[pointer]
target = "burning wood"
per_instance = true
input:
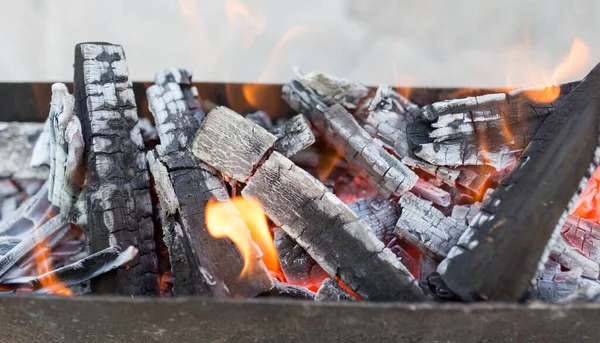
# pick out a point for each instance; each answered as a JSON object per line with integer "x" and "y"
{"x": 292, "y": 136}
{"x": 554, "y": 285}
{"x": 571, "y": 258}
{"x": 515, "y": 225}
{"x": 426, "y": 227}
{"x": 201, "y": 263}
{"x": 345, "y": 248}
{"x": 297, "y": 265}
{"x": 115, "y": 206}
{"x": 331, "y": 290}
{"x": 281, "y": 289}
{"x": 487, "y": 129}
{"x": 584, "y": 235}
{"x": 379, "y": 214}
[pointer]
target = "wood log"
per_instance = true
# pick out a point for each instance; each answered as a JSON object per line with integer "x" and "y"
{"x": 498, "y": 255}
{"x": 426, "y": 227}
{"x": 18, "y": 140}
{"x": 66, "y": 151}
{"x": 479, "y": 130}
{"x": 115, "y": 207}
{"x": 297, "y": 265}
{"x": 331, "y": 290}
{"x": 340, "y": 130}
{"x": 380, "y": 214}
{"x": 320, "y": 223}
{"x": 201, "y": 264}
{"x": 293, "y": 136}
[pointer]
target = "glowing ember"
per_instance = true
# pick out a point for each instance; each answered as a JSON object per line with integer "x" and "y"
{"x": 588, "y": 204}
{"x": 223, "y": 221}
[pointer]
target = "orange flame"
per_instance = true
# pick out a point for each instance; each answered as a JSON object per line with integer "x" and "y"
{"x": 50, "y": 282}
{"x": 243, "y": 221}
{"x": 574, "y": 63}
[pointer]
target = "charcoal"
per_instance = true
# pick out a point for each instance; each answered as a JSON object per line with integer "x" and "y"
{"x": 293, "y": 136}
{"x": 331, "y": 290}
{"x": 17, "y": 142}
{"x": 554, "y": 285}
{"x": 285, "y": 290}
{"x": 584, "y": 235}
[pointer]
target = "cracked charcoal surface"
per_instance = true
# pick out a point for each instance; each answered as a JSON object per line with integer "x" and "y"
{"x": 115, "y": 208}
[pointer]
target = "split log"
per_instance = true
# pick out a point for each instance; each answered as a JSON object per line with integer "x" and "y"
{"x": 340, "y": 130}
{"x": 583, "y": 235}
{"x": 201, "y": 264}
{"x": 426, "y": 227}
{"x": 293, "y": 136}
{"x": 498, "y": 255}
{"x": 554, "y": 285}
{"x": 479, "y": 130}
{"x": 66, "y": 151}
{"x": 115, "y": 208}
{"x": 320, "y": 223}
{"x": 331, "y": 290}
{"x": 18, "y": 140}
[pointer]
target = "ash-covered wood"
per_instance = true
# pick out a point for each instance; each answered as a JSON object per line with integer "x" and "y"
{"x": 571, "y": 258}
{"x": 115, "y": 207}
{"x": 448, "y": 175}
{"x": 498, "y": 255}
{"x": 479, "y": 130}
{"x": 17, "y": 142}
{"x": 589, "y": 291}
{"x": 331, "y": 290}
{"x": 554, "y": 285}
{"x": 340, "y": 130}
{"x": 201, "y": 264}
{"x": 332, "y": 90}
{"x": 320, "y": 223}
{"x": 40, "y": 155}
{"x": 426, "y": 227}
{"x": 285, "y": 290}
{"x": 293, "y": 136}
{"x": 231, "y": 143}
{"x": 66, "y": 151}
{"x": 432, "y": 193}
{"x": 379, "y": 213}
{"x": 584, "y": 235}
{"x": 329, "y": 231}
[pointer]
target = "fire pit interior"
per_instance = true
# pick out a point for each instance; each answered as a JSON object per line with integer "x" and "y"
{"x": 321, "y": 189}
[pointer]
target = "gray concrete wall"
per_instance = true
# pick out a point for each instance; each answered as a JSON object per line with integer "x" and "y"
{"x": 417, "y": 42}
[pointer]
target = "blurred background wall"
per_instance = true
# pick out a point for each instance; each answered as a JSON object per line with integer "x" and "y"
{"x": 406, "y": 42}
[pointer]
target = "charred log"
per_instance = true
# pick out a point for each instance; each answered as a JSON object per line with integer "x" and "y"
{"x": 498, "y": 255}
{"x": 115, "y": 208}
{"x": 331, "y": 290}
{"x": 329, "y": 231}
{"x": 285, "y": 290}
{"x": 583, "y": 235}
{"x": 554, "y": 285}
{"x": 201, "y": 264}
{"x": 293, "y": 136}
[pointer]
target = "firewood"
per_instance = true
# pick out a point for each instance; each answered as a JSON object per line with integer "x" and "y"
{"x": 115, "y": 207}
{"x": 498, "y": 255}
{"x": 201, "y": 264}
{"x": 297, "y": 265}
{"x": 332, "y": 90}
{"x": 479, "y": 130}
{"x": 260, "y": 118}
{"x": 340, "y": 130}
{"x": 320, "y": 223}
{"x": 331, "y": 290}
{"x": 448, "y": 175}
{"x": 285, "y": 290}
{"x": 293, "y": 136}
{"x": 31, "y": 213}
{"x": 17, "y": 142}
{"x": 66, "y": 150}
{"x": 426, "y": 227}
{"x": 379, "y": 213}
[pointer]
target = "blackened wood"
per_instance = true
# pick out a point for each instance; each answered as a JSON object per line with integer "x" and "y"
{"x": 232, "y": 144}
{"x": 379, "y": 213}
{"x": 201, "y": 264}
{"x": 282, "y": 289}
{"x": 479, "y": 130}
{"x": 115, "y": 208}
{"x": 296, "y": 264}
{"x": 498, "y": 255}
{"x": 329, "y": 231}
{"x": 331, "y": 290}
{"x": 293, "y": 136}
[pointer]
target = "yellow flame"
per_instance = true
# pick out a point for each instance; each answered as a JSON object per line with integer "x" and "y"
{"x": 42, "y": 265}
{"x": 243, "y": 221}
